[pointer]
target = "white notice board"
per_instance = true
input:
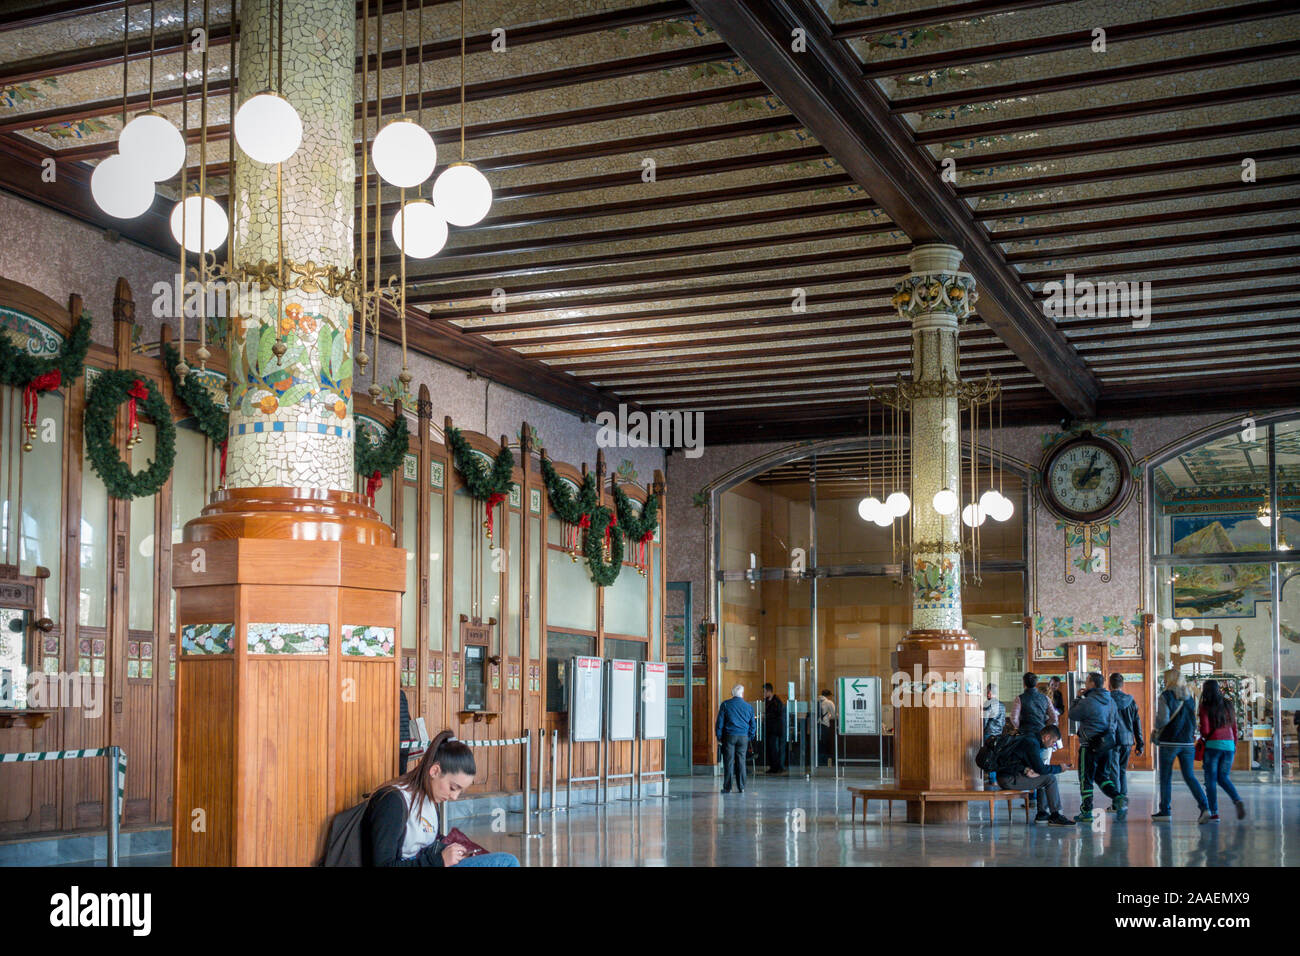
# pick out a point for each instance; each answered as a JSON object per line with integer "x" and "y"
{"x": 621, "y": 700}
{"x": 859, "y": 705}
{"x": 654, "y": 700}
{"x": 585, "y": 698}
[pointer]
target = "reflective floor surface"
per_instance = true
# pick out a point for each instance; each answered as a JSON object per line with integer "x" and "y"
{"x": 791, "y": 821}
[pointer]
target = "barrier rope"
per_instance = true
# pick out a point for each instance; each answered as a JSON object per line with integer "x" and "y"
{"x": 34, "y": 756}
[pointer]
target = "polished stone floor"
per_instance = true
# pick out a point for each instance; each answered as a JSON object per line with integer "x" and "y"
{"x": 792, "y": 821}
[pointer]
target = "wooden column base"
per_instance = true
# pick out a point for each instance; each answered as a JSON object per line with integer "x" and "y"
{"x": 940, "y": 717}
{"x": 286, "y": 706}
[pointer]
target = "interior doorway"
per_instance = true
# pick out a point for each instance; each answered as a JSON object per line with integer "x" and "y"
{"x": 679, "y": 653}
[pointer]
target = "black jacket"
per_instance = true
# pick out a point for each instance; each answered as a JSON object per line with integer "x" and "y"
{"x": 1129, "y": 729}
{"x": 774, "y": 714}
{"x": 1096, "y": 713}
{"x": 1033, "y": 712}
{"x": 383, "y": 830}
{"x": 1023, "y": 754}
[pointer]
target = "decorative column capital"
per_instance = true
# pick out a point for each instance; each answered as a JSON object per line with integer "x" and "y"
{"x": 935, "y": 288}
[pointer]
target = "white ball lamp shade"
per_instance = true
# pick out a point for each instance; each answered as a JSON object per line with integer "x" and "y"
{"x": 972, "y": 516}
{"x": 988, "y": 501}
{"x": 882, "y": 517}
{"x": 204, "y": 222}
{"x": 153, "y": 145}
{"x": 1003, "y": 509}
{"x": 463, "y": 194}
{"x": 898, "y": 504}
{"x": 404, "y": 153}
{"x": 868, "y": 508}
{"x": 120, "y": 188}
{"x": 1185, "y": 624}
{"x": 945, "y": 501}
{"x": 1217, "y": 648}
{"x": 1169, "y": 624}
{"x": 425, "y": 229}
{"x": 268, "y": 128}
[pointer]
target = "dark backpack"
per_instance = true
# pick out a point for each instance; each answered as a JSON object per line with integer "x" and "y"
{"x": 994, "y": 753}
{"x": 343, "y": 848}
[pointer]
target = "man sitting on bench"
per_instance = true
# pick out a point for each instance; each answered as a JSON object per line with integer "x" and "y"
{"x": 1021, "y": 767}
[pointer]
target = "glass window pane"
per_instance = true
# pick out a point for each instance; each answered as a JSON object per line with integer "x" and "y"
{"x": 189, "y": 492}
{"x": 43, "y": 500}
{"x": 469, "y": 534}
{"x": 535, "y": 587}
{"x": 460, "y": 566}
{"x": 570, "y": 593}
{"x": 140, "y": 609}
{"x": 657, "y": 617}
{"x": 410, "y": 527}
{"x": 1210, "y": 500}
{"x": 92, "y": 601}
{"x": 560, "y": 648}
{"x": 623, "y": 650}
{"x": 625, "y": 603}
{"x": 436, "y": 567}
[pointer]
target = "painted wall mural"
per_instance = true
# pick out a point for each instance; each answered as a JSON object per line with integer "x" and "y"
{"x": 1225, "y": 590}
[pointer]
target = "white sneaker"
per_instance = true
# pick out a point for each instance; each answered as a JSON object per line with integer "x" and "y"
{"x": 1204, "y": 817}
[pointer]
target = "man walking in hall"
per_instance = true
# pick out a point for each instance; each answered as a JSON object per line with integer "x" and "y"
{"x": 774, "y": 730}
{"x": 1030, "y": 715}
{"x": 736, "y": 728}
{"x": 1095, "y": 712}
{"x": 1128, "y": 733}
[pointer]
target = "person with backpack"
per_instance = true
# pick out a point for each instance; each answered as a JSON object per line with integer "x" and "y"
{"x": 1019, "y": 765}
{"x": 1174, "y": 736}
{"x": 1128, "y": 735}
{"x": 1032, "y": 711}
{"x": 1218, "y": 725}
{"x": 1094, "y": 710}
{"x": 402, "y": 825}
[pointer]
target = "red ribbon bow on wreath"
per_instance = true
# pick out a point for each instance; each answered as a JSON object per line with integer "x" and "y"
{"x": 41, "y": 383}
{"x": 641, "y": 543}
{"x": 373, "y": 484}
{"x": 613, "y": 521}
{"x": 494, "y": 499}
{"x": 137, "y": 392}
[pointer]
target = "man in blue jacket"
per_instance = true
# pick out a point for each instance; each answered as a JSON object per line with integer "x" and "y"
{"x": 1098, "y": 719}
{"x": 1021, "y": 767}
{"x": 1128, "y": 733}
{"x": 736, "y": 728}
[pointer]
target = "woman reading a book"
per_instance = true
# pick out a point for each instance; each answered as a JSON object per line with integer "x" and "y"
{"x": 402, "y": 825}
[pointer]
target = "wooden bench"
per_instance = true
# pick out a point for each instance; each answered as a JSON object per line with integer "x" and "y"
{"x": 867, "y": 794}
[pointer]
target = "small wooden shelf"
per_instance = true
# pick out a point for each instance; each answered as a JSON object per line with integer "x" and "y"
{"x": 32, "y": 719}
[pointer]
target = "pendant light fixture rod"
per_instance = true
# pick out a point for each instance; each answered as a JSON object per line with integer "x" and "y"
{"x": 126, "y": 51}
{"x": 185, "y": 138}
{"x": 151, "y": 47}
{"x": 379, "y": 186}
{"x": 203, "y": 194}
{"x": 231, "y": 145}
{"x": 365, "y": 167}
{"x": 462, "y": 80}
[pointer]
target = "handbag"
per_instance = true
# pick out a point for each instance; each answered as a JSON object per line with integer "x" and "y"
{"x": 456, "y": 838}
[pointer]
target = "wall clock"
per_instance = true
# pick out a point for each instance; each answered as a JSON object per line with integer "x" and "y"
{"x": 1086, "y": 478}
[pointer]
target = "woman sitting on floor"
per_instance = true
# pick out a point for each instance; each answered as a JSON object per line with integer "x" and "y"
{"x": 402, "y": 826}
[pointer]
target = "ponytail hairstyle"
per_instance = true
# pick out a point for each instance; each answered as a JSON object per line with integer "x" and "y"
{"x": 451, "y": 755}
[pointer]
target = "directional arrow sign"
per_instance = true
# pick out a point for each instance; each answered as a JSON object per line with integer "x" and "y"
{"x": 859, "y": 705}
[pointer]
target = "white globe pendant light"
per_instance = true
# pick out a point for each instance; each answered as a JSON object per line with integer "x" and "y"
{"x": 153, "y": 145}
{"x": 882, "y": 517}
{"x": 868, "y": 509}
{"x": 1003, "y": 509}
{"x": 463, "y": 194}
{"x": 204, "y": 222}
{"x": 404, "y": 153}
{"x": 898, "y": 504}
{"x": 945, "y": 501}
{"x": 425, "y": 229}
{"x": 972, "y": 516}
{"x": 120, "y": 188}
{"x": 268, "y": 128}
{"x": 988, "y": 501}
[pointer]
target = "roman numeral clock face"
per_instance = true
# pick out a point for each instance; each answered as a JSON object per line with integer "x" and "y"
{"x": 1084, "y": 480}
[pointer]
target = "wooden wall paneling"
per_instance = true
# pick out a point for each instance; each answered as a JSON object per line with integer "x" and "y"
{"x": 446, "y": 692}
{"x": 418, "y": 695}
{"x": 364, "y": 700}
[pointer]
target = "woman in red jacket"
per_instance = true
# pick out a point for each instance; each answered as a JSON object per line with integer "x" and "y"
{"x": 1219, "y": 730}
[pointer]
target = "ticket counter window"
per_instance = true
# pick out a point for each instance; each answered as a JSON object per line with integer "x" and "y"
{"x": 560, "y": 648}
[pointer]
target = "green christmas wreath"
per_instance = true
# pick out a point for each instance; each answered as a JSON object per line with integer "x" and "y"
{"x": 638, "y": 527}
{"x": 569, "y": 506}
{"x": 385, "y": 457}
{"x": 109, "y": 391}
{"x": 19, "y": 368}
{"x": 482, "y": 483}
{"x": 214, "y": 421}
{"x": 603, "y": 523}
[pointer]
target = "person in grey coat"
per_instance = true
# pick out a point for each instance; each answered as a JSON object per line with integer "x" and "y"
{"x": 1095, "y": 712}
{"x": 1128, "y": 734}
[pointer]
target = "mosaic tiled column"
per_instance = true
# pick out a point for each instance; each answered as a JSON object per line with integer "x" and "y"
{"x": 289, "y": 584}
{"x": 291, "y": 413}
{"x": 939, "y": 726}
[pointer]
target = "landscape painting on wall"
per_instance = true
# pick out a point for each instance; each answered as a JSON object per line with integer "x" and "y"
{"x": 1219, "y": 590}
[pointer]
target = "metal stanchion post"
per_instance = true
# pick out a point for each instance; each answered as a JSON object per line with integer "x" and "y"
{"x": 528, "y": 784}
{"x": 541, "y": 769}
{"x": 555, "y": 765}
{"x": 111, "y": 802}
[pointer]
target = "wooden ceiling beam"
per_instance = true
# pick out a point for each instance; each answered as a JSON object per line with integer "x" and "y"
{"x": 1091, "y": 79}
{"x": 1137, "y": 198}
{"x": 1202, "y": 214}
{"x": 1152, "y": 242}
{"x": 1228, "y": 16}
{"x": 1148, "y": 266}
{"x": 849, "y": 116}
{"x": 886, "y": 23}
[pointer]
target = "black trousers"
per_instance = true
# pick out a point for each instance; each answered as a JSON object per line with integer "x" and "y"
{"x": 734, "y": 747}
{"x": 775, "y": 753}
{"x": 1120, "y": 757}
{"x": 1096, "y": 767}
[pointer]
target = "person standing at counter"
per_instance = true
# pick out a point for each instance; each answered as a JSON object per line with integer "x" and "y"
{"x": 774, "y": 729}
